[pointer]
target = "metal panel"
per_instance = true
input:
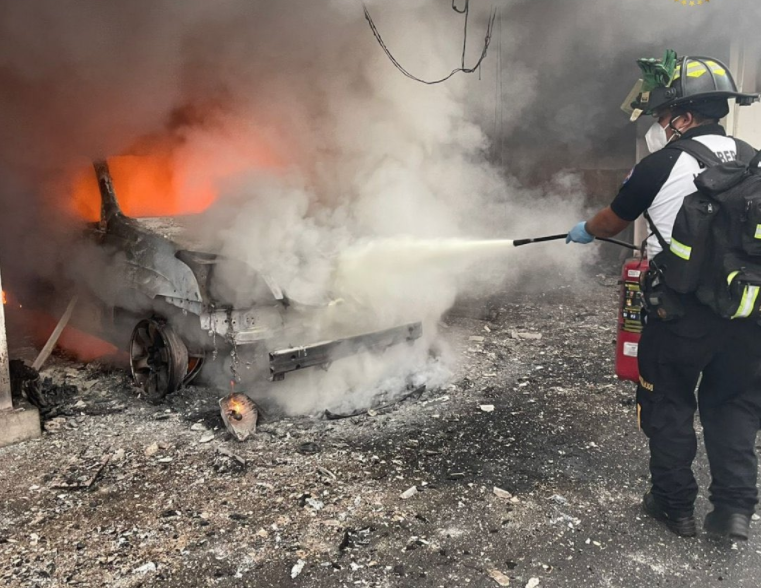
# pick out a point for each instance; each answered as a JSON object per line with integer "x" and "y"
{"x": 324, "y": 353}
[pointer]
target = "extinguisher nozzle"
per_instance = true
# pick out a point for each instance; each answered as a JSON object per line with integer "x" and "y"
{"x": 519, "y": 242}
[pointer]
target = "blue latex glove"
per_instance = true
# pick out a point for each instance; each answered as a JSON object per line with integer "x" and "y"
{"x": 578, "y": 234}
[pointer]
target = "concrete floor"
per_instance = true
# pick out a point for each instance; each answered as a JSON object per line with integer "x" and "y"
{"x": 562, "y": 440}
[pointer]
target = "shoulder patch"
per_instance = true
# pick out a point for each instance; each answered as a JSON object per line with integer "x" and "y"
{"x": 629, "y": 177}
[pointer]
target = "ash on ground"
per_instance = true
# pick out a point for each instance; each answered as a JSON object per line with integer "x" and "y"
{"x": 527, "y": 469}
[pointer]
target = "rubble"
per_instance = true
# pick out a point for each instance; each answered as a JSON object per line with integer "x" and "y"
{"x": 518, "y": 495}
{"x": 500, "y": 578}
{"x": 308, "y": 448}
{"x": 145, "y": 568}
{"x": 51, "y": 398}
{"x": 500, "y": 493}
{"x": 526, "y": 336}
{"x": 297, "y": 569}
{"x": 412, "y": 392}
{"x": 80, "y": 473}
{"x": 409, "y": 493}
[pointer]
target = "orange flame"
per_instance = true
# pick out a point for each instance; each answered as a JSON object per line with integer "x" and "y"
{"x": 235, "y": 406}
{"x": 83, "y": 346}
{"x": 38, "y": 325}
{"x": 167, "y": 181}
{"x": 145, "y": 186}
{"x": 10, "y": 300}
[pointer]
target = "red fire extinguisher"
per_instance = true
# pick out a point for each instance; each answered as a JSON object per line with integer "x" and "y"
{"x": 629, "y": 319}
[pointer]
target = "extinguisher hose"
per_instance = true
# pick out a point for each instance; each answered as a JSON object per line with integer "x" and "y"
{"x": 519, "y": 242}
{"x": 619, "y": 243}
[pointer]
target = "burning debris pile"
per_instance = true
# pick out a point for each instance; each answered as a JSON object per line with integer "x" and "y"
{"x": 239, "y": 414}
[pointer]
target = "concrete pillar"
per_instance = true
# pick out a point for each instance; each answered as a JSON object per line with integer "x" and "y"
{"x": 23, "y": 422}
{"x": 737, "y": 67}
{"x": 5, "y": 378}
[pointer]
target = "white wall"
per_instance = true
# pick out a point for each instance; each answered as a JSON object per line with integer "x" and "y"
{"x": 744, "y": 122}
{"x": 749, "y": 125}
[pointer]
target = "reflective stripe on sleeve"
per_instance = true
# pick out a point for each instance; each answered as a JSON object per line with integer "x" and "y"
{"x": 758, "y": 231}
{"x": 680, "y": 249}
{"x": 748, "y": 302}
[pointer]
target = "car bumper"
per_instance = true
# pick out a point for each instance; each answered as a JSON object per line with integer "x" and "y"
{"x": 324, "y": 353}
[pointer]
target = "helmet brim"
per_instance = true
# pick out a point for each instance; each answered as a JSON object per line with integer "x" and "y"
{"x": 742, "y": 99}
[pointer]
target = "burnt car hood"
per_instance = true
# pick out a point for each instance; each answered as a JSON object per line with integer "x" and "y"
{"x": 182, "y": 231}
{"x": 167, "y": 256}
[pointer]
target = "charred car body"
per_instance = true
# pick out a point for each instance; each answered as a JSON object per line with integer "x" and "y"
{"x": 180, "y": 314}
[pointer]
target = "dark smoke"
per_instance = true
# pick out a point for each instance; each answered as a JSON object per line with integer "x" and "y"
{"x": 567, "y": 66}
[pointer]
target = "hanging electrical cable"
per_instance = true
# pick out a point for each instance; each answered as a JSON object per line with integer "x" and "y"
{"x": 465, "y": 10}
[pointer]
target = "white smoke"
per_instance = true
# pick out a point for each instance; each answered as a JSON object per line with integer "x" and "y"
{"x": 363, "y": 154}
{"x": 368, "y": 162}
{"x": 382, "y": 176}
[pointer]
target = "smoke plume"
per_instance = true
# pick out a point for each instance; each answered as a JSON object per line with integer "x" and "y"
{"x": 318, "y": 163}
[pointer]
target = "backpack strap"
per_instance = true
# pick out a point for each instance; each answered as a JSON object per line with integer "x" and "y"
{"x": 746, "y": 152}
{"x": 656, "y": 232}
{"x": 755, "y": 163}
{"x": 699, "y": 151}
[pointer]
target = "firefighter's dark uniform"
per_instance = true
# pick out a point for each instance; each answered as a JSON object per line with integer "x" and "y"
{"x": 674, "y": 354}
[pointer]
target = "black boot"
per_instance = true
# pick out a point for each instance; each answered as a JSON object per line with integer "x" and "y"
{"x": 734, "y": 525}
{"x": 684, "y": 526}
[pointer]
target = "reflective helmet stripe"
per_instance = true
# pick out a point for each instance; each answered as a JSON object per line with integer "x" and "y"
{"x": 695, "y": 69}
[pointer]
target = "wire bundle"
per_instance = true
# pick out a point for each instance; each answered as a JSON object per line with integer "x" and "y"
{"x": 466, "y": 11}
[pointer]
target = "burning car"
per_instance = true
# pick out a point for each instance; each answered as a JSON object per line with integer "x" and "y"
{"x": 170, "y": 297}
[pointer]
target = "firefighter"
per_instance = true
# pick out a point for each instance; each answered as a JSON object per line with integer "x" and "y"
{"x": 722, "y": 358}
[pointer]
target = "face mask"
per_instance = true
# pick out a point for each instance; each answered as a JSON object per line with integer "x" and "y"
{"x": 656, "y": 137}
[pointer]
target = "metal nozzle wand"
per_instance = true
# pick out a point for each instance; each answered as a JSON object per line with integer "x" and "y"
{"x": 519, "y": 242}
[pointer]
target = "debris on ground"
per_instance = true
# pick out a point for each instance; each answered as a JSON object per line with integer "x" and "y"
{"x": 413, "y": 392}
{"x": 25, "y": 384}
{"x": 80, "y": 473}
{"x": 428, "y": 492}
{"x": 408, "y": 493}
{"x": 297, "y": 569}
{"x": 500, "y": 578}
{"x": 500, "y": 493}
